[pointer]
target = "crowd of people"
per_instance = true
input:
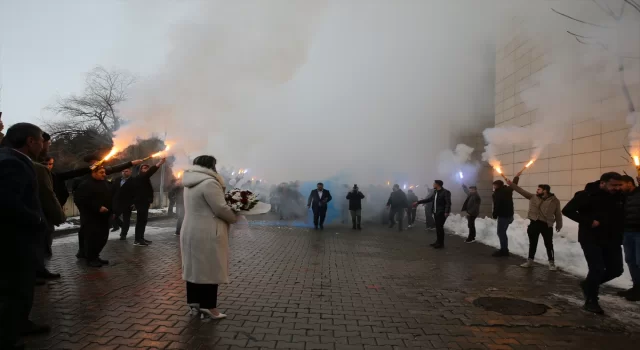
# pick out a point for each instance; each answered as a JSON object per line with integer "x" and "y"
{"x": 32, "y": 195}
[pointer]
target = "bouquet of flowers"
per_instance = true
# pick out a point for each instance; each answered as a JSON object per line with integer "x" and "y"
{"x": 245, "y": 202}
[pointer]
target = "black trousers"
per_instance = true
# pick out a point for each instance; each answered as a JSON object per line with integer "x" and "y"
{"x": 440, "y": 219}
{"x": 81, "y": 239}
{"x": 396, "y": 213}
{"x": 411, "y": 215}
{"x": 96, "y": 235}
{"x": 204, "y": 294}
{"x": 172, "y": 203}
{"x": 471, "y": 224}
{"x": 535, "y": 229}
{"x": 319, "y": 214}
{"x": 605, "y": 264}
{"x": 141, "y": 220}
{"x": 17, "y": 282}
{"x": 123, "y": 223}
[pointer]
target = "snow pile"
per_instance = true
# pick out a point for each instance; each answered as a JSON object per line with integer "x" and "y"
{"x": 66, "y": 226}
{"x": 568, "y": 253}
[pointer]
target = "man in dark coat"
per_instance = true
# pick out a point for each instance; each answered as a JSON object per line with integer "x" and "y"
{"x": 317, "y": 201}
{"x": 503, "y": 212}
{"x": 121, "y": 205}
{"x": 599, "y": 212}
{"x": 94, "y": 201}
{"x": 428, "y": 211}
{"x": 631, "y": 242}
{"x": 140, "y": 194}
{"x": 441, "y": 199}
{"x": 472, "y": 207}
{"x": 85, "y": 174}
{"x": 397, "y": 204}
{"x": 22, "y": 223}
{"x": 355, "y": 198}
{"x": 411, "y": 211}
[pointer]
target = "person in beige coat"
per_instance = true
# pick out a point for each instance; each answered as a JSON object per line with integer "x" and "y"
{"x": 544, "y": 211}
{"x": 204, "y": 239}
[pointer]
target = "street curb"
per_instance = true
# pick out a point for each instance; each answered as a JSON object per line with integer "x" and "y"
{"x": 68, "y": 231}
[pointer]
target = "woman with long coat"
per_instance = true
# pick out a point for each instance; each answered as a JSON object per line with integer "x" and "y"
{"x": 204, "y": 239}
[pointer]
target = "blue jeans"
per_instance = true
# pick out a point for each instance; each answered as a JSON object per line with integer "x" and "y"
{"x": 503, "y": 225}
{"x": 632, "y": 255}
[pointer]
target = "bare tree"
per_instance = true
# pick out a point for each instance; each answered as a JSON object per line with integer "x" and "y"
{"x": 617, "y": 16}
{"x": 96, "y": 108}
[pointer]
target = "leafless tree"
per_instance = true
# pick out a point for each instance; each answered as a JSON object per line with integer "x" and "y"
{"x": 96, "y": 108}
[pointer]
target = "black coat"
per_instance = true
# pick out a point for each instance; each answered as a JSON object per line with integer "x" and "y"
{"x": 140, "y": 193}
{"x": 632, "y": 211}
{"x": 21, "y": 215}
{"x": 119, "y": 194}
{"x": 398, "y": 200}
{"x": 595, "y": 204}
{"x": 472, "y": 203}
{"x": 442, "y": 201}
{"x": 91, "y": 196}
{"x": 314, "y": 200}
{"x": 86, "y": 174}
{"x": 503, "y": 201}
{"x": 355, "y": 200}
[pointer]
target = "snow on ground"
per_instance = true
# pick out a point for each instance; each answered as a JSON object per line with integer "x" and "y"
{"x": 113, "y": 236}
{"x": 568, "y": 253}
{"x": 67, "y": 225}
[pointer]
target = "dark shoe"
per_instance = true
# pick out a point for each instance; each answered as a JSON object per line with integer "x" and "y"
{"x": 80, "y": 255}
{"x": 47, "y": 275}
{"x": 103, "y": 261}
{"x": 391, "y": 225}
{"x": 470, "y": 240}
{"x": 434, "y": 244}
{"x": 354, "y": 227}
{"x": 94, "y": 263}
{"x": 593, "y": 306}
{"x": 123, "y": 238}
{"x": 115, "y": 229}
{"x": 321, "y": 227}
{"x": 140, "y": 244}
{"x": 634, "y": 294}
{"x": 315, "y": 227}
{"x": 147, "y": 241}
{"x": 31, "y": 328}
{"x": 359, "y": 227}
{"x": 438, "y": 246}
{"x": 500, "y": 253}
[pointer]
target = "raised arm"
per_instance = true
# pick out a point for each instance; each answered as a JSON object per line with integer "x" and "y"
{"x": 72, "y": 174}
{"x": 520, "y": 190}
{"x": 117, "y": 168}
{"x": 465, "y": 189}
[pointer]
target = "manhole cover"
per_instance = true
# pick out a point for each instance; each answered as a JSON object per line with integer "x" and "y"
{"x": 509, "y": 306}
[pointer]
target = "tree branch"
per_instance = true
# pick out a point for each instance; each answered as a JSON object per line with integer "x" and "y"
{"x": 578, "y": 20}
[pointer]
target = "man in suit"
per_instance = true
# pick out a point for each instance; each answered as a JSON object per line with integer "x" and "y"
{"x": 317, "y": 201}
{"x": 120, "y": 204}
{"x": 141, "y": 196}
{"x": 441, "y": 199}
{"x": 22, "y": 223}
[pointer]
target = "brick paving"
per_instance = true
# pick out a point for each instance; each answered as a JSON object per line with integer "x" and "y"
{"x": 294, "y": 288}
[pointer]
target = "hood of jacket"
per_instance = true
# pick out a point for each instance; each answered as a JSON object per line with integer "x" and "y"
{"x": 592, "y": 186}
{"x": 196, "y": 174}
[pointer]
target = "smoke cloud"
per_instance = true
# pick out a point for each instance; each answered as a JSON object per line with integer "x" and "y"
{"x": 583, "y": 68}
{"x": 314, "y": 90}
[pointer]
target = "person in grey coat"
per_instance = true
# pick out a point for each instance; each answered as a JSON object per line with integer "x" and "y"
{"x": 472, "y": 207}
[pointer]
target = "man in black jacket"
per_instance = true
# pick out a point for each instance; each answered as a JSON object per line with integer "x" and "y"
{"x": 631, "y": 242}
{"x": 397, "y": 204}
{"x": 472, "y": 207}
{"x": 441, "y": 199}
{"x": 178, "y": 193}
{"x": 599, "y": 212}
{"x": 411, "y": 211}
{"x": 503, "y": 212}
{"x": 317, "y": 201}
{"x": 355, "y": 198}
{"x": 94, "y": 201}
{"x": 23, "y": 222}
{"x": 83, "y": 174}
{"x": 121, "y": 205}
{"x": 141, "y": 196}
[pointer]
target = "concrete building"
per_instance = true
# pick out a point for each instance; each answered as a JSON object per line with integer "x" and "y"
{"x": 595, "y": 138}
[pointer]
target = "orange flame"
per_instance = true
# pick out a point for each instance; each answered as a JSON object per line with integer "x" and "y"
{"x": 636, "y": 160}
{"x": 179, "y": 174}
{"x": 529, "y": 164}
{"x": 498, "y": 170}
{"x": 158, "y": 154}
{"x": 111, "y": 154}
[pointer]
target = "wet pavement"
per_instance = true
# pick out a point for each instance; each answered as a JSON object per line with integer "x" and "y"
{"x": 295, "y": 288}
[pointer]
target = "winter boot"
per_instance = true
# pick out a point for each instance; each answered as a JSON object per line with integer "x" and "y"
{"x": 634, "y": 294}
{"x": 527, "y": 264}
{"x": 552, "y": 266}
{"x": 593, "y": 306}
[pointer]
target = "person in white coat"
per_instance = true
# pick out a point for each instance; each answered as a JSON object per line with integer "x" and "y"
{"x": 204, "y": 239}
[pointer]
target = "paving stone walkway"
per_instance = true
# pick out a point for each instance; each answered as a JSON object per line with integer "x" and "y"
{"x": 295, "y": 288}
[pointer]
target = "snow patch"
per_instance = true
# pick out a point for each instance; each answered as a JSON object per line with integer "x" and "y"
{"x": 150, "y": 231}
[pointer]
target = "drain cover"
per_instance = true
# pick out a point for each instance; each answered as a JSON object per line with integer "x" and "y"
{"x": 509, "y": 306}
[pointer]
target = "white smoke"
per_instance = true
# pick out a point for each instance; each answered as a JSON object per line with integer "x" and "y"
{"x": 456, "y": 165}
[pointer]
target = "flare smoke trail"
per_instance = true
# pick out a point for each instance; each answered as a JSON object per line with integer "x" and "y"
{"x": 310, "y": 89}
{"x": 452, "y": 163}
{"x": 583, "y": 68}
